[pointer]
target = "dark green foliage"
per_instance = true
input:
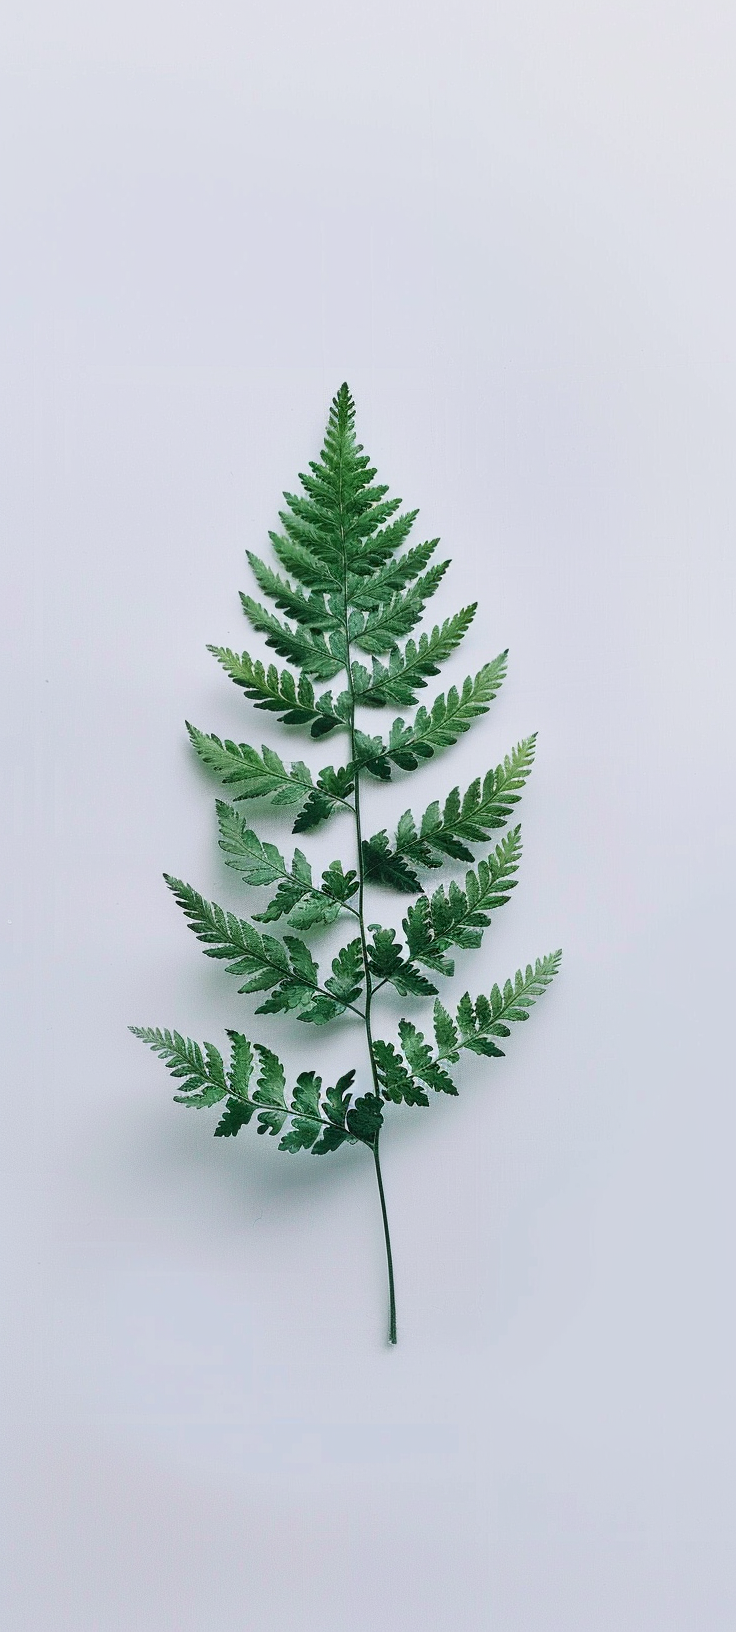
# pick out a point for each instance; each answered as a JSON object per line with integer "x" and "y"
{"x": 285, "y": 968}
{"x": 379, "y": 630}
{"x": 450, "y": 831}
{"x": 279, "y": 693}
{"x": 296, "y": 896}
{"x": 456, "y": 917}
{"x": 382, "y": 865}
{"x": 387, "y": 964}
{"x": 345, "y": 584}
{"x": 404, "y": 675}
{"x": 395, "y": 1077}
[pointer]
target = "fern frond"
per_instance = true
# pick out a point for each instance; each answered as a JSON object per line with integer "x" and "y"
{"x": 456, "y": 917}
{"x": 285, "y": 968}
{"x": 433, "y": 729}
{"x": 387, "y": 963}
{"x": 279, "y": 693}
{"x": 386, "y": 624}
{"x": 421, "y": 1061}
{"x": 375, "y": 549}
{"x": 343, "y": 987}
{"x": 488, "y": 1017}
{"x": 397, "y": 1082}
{"x": 382, "y": 865}
{"x": 407, "y": 671}
{"x": 260, "y": 863}
{"x": 475, "y": 1028}
{"x": 333, "y": 788}
{"x": 348, "y": 583}
{"x": 472, "y": 819}
{"x": 312, "y": 610}
{"x": 310, "y": 652}
{"x": 201, "y": 1072}
{"x": 264, "y": 776}
{"x": 305, "y": 567}
{"x": 364, "y": 592}
{"x": 449, "y": 832}
{"x": 319, "y": 1121}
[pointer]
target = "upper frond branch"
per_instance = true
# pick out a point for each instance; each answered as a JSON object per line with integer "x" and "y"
{"x": 309, "y": 610}
{"x": 365, "y": 592}
{"x": 406, "y": 672}
{"x": 279, "y": 693}
{"x": 309, "y": 651}
{"x": 449, "y": 832}
{"x": 264, "y": 776}
{"x": 456, "y": 917}
{"x": 433, "y": 729}
{"x": 381, "y": 628}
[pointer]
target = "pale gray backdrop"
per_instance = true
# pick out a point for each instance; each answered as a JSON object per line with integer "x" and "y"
{"x": 511, "y": 229}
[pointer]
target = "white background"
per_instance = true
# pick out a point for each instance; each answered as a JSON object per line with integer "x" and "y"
{"x": 510, "y": 227}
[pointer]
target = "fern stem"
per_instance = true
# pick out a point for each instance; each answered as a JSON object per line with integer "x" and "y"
{"x": 361, "y": 919}
{"x": 389, "y": 1259}
{"x": 369, "y": 1040}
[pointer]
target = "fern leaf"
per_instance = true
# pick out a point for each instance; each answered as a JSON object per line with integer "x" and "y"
{"x": 333, "y": 788}
{"x": 319, "y": 1121}
{"x": 397, "y": 1082}
{"x": 241, "y": 1064}
{"x": 406, "y": 672}
{"x": 365, "y": 1119}
{"x": 305, "y": 567}
{"x": 445, "y": 1033}
{"x": 456, "y": 917}
{"x": 285, "y": 969}
{"x": 201, "y": 1074}
{"x": 337, "y": 491}
{"x": 387, "y": 964}
{"x": 239, "y": 1108}
{"x": 294, "y": 702}
{"x": 342, "y": 519}
{"x": 384, "y": 626}
{"x": 341, "y": 990}
{"x": 307, "y": 1124}
{"x": 471, "y": 820}
{"x": 262, "y": 863}
{"x": 347, "y": 582}
{"x": 264, "y": 775}
{"x": 421, "y": 1060}
{"x": 371, "y": 552}
{"x": 258, "y": 862}
{"x": 263, "y": 960}
{"x": 434, "y": 729}
{"x": 365, "y": 593}
{"x": 449, "y": 832}
{"x": 257, "y": 776}
{"x": 480, "y": 1022}
{"x": 235, "y": 1116}
{"x": 309, "y": 652}
{"x": 270, "y": 1092}
{"x": 311, "y": 610}
{"x": 383, "y": 865}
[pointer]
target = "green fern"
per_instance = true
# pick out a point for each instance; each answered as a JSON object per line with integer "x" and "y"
{"x": 352, "y": 586}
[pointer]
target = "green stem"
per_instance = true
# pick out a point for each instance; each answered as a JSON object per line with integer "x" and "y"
{"x": 389, "y": 1259}
{"x": 364, "y": 949}
{"x": 368, "y": 1031}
